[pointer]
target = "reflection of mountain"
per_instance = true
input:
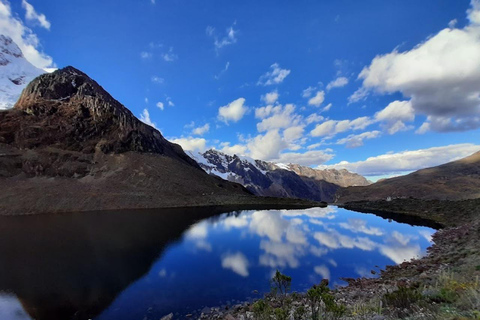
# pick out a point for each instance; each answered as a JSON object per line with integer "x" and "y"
{"x": 73, "y": 266}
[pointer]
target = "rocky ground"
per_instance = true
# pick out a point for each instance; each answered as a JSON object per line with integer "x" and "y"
{"x": 442, "y": 285}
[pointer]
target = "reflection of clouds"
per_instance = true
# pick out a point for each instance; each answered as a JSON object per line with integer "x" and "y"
{"x": 235, "y": 222}
{"x": 317, "y": 222}
{"x": 335, "y": 240}
{"x": 203, "y": 245}
{"x": 269, "y": 224}
{"x": 198, "y": 231}
{"x": 162, "y": 273}
{"x": 398, "y": 247}
{"x": 11, "y": 308}
{"x": 280, "y": 254}
{"x": 333, "y": 262}
{"x": 236, "y": 262}
{"x": 323, "y": 271}
{"x": 326, "y": 213}
{"x": 427, "y": 234}
{"x": 294, "y": 235}
{"x": 360, "y": 226}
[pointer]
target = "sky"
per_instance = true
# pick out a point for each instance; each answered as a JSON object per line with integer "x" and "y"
{"x": 378, "y": 87}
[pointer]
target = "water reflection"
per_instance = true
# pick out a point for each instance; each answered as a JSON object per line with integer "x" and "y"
{"x": 144, "y": 265}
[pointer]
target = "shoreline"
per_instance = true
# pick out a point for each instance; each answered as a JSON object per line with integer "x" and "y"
{"x": 452, "y": 264}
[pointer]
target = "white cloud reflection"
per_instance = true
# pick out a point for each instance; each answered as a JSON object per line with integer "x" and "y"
{"x": 236, "y": 262}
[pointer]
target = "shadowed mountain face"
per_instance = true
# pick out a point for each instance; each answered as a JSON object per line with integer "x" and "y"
{"x": 457, "y": 180}
{"x": 278, "y": 180}
{"x": 73, "y": 266}
{"x": 67, "y": 145}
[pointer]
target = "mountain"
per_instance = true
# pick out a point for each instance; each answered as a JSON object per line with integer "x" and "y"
{"x": 277, "y": 180}
{"x": 15, "y": 72}
{"x": 457, "y": 180}
{"x": 68, "y": 145}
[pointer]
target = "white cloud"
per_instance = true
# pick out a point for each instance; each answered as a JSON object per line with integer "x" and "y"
{"x": 314, "y": 118}
{"x": 318, "y": 99}
{"x": 356, "y": 140}
{"x": 337, "y": 83}
{"x": 191, "y": 143}
{"x": 237, "y": 262}
{"x": 229, "y": 38}
{"x": 24, "y": 37}
{"x": 234, "y": 111}
{"x": 157, "y": 80}
{"x": 237, "y": 149}
{"x": 309, "y": 158}
{"x": 200, "y": 131}
{"x": 146, "y": 55}
{"x": 407, "y": 160}
{"x": 323, "y": 271}
{"x": 271, "y": 97}
{"x": 293, "y": 133}
{"x": 330, "y": 128}
{"x": 268, "y": 146}
{"x": 275, "y": 76}
{"x": 327, "y": 107}
{"x": 32, "y": 15}
{"x": 145, "y": 118}
{"x": 281, "y": 117}
{"x": 441, "y": 76}
{"x": 169, "y": 56}
{"x": 227, "y": 65}
{"x": 308, "y": 92}
{"x": 160, "y": 105}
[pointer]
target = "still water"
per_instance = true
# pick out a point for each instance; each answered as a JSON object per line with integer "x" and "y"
{"x": 146, "y": 264}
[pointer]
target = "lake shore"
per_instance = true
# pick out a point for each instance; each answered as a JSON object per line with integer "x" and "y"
{"x": 444, "y": 284}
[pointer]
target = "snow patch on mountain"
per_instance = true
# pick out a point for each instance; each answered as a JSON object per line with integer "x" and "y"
{"x": 15, "y": 72}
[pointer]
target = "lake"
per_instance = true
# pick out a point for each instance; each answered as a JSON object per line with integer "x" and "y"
{"x": 146, "y": 264}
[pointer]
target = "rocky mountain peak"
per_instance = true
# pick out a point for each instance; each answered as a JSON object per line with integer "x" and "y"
{"x": 8, "y": 49}
{"x": 68, "y": 110}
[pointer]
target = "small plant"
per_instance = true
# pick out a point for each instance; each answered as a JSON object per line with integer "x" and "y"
{"x": 281, "y": 283}
{"x": 261, "y": 310}
{"x": 402, "y": 298}
{"x": 281, "y": 314}
{"x": 299, "y": 313}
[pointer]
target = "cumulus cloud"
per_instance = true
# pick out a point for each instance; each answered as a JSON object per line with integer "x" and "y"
{"x": 323, "y": 271}
{"x": 330, "y": 128}
{"x": 32, "y": 15}
{"x": 360, "y": 226}
{"x": 318, "y": 99}
{"x": 237, "y": 149}
{"x": 160, "y": 105}
{"x": 169, "y": 56}
{"x": 200, "y": 131}
{"x": 391, "y": 163}
{"x": 356, "y": 140}
{"x": 271, "y": 97}
{"x": 24, "y": 37}
{"x": 440, "y": 76}
{"x": 267, "y": 146}
{"x": 308, "y": 92}
{"x": 191, "y": 144}
{"x": 337, "y": 83}
{"x": 275, "y": 76}
{"x": 145, "y": 118}
{"x": 280, "y": 117}
{"x": 236, "y": 262}
{"x": 234, "y": 111}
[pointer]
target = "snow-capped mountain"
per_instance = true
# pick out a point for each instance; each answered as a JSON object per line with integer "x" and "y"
{"x": 15, "y": 72}
{"x": 278, "y": 179}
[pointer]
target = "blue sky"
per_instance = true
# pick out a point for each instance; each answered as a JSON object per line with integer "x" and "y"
{"x": 377, "y": 87}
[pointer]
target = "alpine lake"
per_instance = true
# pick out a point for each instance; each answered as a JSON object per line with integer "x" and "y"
{"x": 145, "y": 264}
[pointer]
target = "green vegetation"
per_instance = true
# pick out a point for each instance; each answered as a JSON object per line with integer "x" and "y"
{"x": 447, "y": 297}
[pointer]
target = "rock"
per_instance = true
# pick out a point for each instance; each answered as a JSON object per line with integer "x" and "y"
{"x": 229, "y": 317}
{"x": 167, "y": 317}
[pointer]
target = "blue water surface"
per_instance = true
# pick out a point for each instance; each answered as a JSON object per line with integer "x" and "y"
{"x": 229, "y": 258}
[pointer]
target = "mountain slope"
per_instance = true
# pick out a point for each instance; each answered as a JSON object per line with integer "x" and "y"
{"x": 277, "y": 180}
{"x": 457, "y": 180}
{"x": 67, "y": 145}
{"x": 15, "y": 72}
